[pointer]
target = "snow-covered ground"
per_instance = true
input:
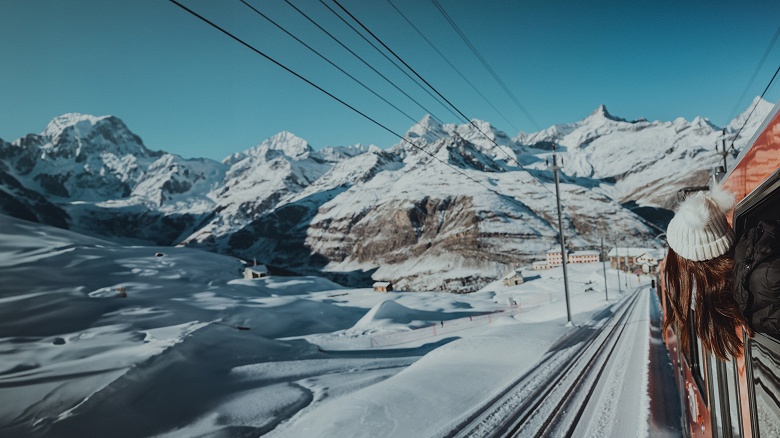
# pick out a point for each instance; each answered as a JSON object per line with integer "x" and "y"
{"x": 194, "y": 349}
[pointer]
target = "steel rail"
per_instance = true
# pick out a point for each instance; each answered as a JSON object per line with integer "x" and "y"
{"x": 534, "y": 386}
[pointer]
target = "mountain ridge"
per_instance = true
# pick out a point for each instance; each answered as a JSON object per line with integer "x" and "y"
{"x": 360, "y": 212}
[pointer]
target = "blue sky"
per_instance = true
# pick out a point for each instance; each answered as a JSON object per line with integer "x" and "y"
{"x": 187, "y": 89}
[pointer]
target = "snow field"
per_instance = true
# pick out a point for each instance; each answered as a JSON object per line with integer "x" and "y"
{"x": 169, "y": 360}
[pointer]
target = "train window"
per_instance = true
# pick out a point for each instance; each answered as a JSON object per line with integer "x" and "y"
{"x": 765, "y": 365}
{"x": 762, "y": 204}
{"x": 733, "y": 398}
{"x": 696, "y": 357}
{"x": 724, "y": 409}
{"x": 718, "y": 412}
{"x": 698, "y": 373}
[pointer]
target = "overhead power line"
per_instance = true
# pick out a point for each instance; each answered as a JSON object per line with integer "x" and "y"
{"x": 485, "y": 63}
{"x": 366, "y": 63}
{"x": 287, "y": 69}
{"x": 469, "y": 121}
{"x": 390, "y": 60}
{"x": 324, "y": 58}
{"x": 419, "y": 32}
{"x": 755, "y": 105}
{"x": 755, "y": 73}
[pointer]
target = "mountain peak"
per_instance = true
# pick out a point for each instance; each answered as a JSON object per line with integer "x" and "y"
{"x": 428, "y": 128}
{"x": 60, "y": 123}
{"x": 80, "y": 133}
{"x": 287, "y": 143}
{"x": 756, "y": 107}
{"x": 602, "y": 113}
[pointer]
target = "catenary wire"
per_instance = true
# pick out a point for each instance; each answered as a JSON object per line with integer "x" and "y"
{"x": 484, "y": 63}
{"x": 451, "y": 106}
{"x": 469, "y": 121}
{"x": 389, "y": 59}
{"x": 402, "y": 138}
{"x": 755, "y": 105}
{"x": 755, "y": 73}
{"x": 366, "y": 63}
{"x": 419, "y": 32}
{"x": 287, "y": 69}
{"x": 270, "y": 20}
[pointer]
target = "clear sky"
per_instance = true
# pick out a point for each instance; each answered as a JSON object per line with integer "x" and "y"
{"x": 186, "y": 88}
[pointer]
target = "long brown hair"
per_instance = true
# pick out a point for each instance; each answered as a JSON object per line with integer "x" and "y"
{"x": 716, "y": 315}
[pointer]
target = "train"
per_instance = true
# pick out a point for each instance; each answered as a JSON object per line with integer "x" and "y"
{"x": 739, "y": 397}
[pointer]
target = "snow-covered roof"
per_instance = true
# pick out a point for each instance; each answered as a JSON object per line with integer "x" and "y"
{"x": 511, "y": 274}
{"x": 584, "y": 253}
{"x": 540, "y": 263}
{"x": 631, "y": 252}
{"x": 554, "y": 251}
{"x": 382, "y": 284}
{"x": 260, "y": 269}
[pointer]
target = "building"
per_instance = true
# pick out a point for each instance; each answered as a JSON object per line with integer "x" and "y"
{"x": 513, "y": 278}
{"x": 554, "y": 258}
{"x": 649, "y": 261}
{"x": 383, "y": 286}
{"x": 626, "y": 258}
{"x": 540, "y": 265}
{"x": 584, "y": 257}
{"x": 257, "y": 271}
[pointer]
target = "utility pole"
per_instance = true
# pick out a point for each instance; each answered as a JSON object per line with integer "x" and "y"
{"x": 625, "y": 276}
{"x": 617, "y": 257}
{"x": 725, "y": 151}
{"x": 564, "y": 258}
{"x": 604, "y": 266}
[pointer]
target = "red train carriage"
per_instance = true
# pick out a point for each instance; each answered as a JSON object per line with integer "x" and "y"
{"x": 739, "y": 398}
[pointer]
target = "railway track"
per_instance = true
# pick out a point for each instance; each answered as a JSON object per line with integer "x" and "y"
{"x": 550, "y": 399}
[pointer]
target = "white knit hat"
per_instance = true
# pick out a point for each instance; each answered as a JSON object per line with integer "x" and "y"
{"x": 699, "y": 231}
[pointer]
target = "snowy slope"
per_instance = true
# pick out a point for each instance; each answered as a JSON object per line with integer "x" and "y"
{"x": 79, "y": 157}
{"x": 410, "y": 227}
{"x": 194, "y": 350}
{"x": 258, "y": 178}
{"x": 108, "y": 183}
{"x": 648, "y": 161}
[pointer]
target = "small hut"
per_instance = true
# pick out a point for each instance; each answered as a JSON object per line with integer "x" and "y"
{"x": 513, "y": 278}
{"x": 383, "y": 286}
{"x": 257, "y": 271}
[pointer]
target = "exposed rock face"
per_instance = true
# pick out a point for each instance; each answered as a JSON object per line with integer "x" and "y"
{"x": 20, "y": 202}
{"x": 106, "y": 182}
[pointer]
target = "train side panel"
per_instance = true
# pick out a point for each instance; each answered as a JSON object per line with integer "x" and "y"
{"x": 756, "y": 170}
{"x": 758, "y": 162}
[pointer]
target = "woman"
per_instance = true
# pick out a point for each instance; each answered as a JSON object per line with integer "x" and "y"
{"x": 698, "y": 274}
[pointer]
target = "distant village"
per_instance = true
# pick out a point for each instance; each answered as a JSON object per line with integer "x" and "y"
{"x": 627, "y": 259}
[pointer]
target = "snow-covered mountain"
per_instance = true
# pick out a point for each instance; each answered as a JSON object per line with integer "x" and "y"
{"x": 362, "y": 213}
{"x": 648, "y": 161}
{"x": 108, "y": 182}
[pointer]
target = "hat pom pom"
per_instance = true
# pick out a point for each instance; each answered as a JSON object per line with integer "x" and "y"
{"x": 694, "y": 213}
{"x": 722, "y": 198}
